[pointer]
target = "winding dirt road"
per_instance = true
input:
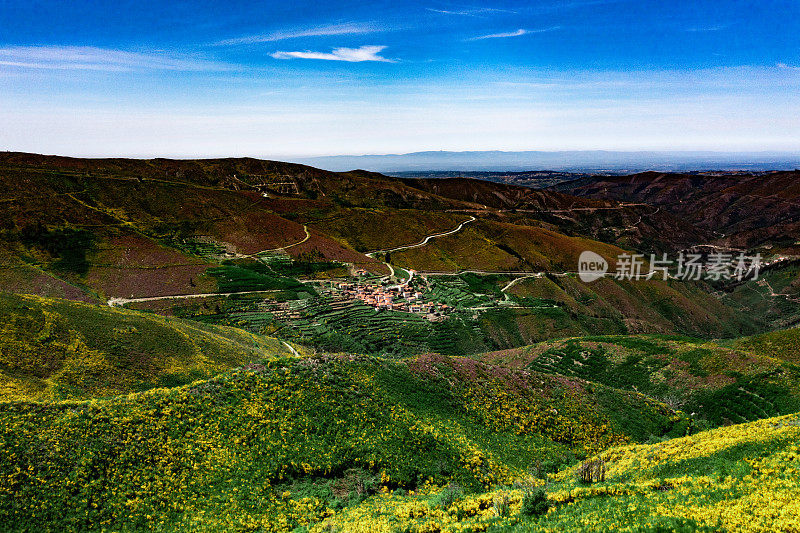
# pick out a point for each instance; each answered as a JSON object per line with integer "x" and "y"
{"x": 424, "y": 241}
{"x": 115, "y": 302}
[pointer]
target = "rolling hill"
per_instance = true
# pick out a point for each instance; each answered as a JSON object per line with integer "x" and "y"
{"x": 434, "y": 443}
{"x": 118, "y": 229}
{"x": 53, "y": 349}
{"x": 738, "y": 478}
{"x": 284, "y": 443}
{"x": 69, "y": 215}
{"x": 738, "y": 381}
{"x": 147, "y": 381}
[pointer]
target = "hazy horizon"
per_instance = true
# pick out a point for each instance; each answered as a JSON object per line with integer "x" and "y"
{"x": 598, "y": 161}
{"x": 559, "y": 161}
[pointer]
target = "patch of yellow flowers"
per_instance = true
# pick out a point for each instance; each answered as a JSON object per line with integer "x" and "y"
{"x": 765, "y": 499}
{"x": 387, "y": 512}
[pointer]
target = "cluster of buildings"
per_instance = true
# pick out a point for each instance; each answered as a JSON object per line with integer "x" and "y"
{"x": 404, "y": 298}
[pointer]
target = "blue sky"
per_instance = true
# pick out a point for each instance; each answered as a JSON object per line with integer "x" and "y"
{"x": 283, "y": 79}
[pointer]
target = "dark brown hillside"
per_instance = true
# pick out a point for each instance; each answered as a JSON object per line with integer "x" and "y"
{"x": 501, "y": 195}
{"x": 250, "y": 186}
{"x": 745, "y": 210}
{"x": 274, "y": 178}
{"x": 130, "y": 228}
{"x": 136, "y": 229}
{"x": 629, "y": 224}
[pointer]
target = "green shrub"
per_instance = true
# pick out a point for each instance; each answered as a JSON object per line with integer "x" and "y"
{"x": 501, "y": 505}
{"x": 535, "y": 503}
{"x": 355, "y": 485}
{"x": 253, "y": 276}
{"x": 550, "y": 466}
{"x": 68, "y": 246}
{"x": 449, "y": 495}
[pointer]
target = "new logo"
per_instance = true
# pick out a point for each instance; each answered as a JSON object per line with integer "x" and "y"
{"x": 591, "y": 266}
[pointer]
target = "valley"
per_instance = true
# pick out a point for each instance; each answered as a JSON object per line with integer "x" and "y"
{"x": 250, "y": 345}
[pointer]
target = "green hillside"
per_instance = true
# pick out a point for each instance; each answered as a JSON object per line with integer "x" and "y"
{"x": 287, "y": 442}
{"x": 712, "y": 382}
{"x": 774, "y": 297}
{"x": 54, "y": 349}
{"x": 247, "y": 345}
{"x": 783, "y": 344}
{"x": 653, "y": 306}
{"x": 739, "y": 478}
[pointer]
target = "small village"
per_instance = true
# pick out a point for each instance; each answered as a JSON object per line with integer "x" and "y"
{"x": 381, "y": 295}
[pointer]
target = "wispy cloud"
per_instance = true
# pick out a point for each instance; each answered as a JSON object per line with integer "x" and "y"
{"x": 785, "y": 66}
{"x": 536, "y": 8}
{"x": 703, "y": 29}
{"x": 353, "y": 55}
{"x": 520, "y": 32}
{"x": 348, "y": 28}
{"x": 517, "y": 33}
{"x": 102, "y": 59}
{"x": 470, "y": 12}
{"x": 577, "y": 4}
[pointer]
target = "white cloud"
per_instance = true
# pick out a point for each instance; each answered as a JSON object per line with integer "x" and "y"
{"x": 517, "y": 33}
{"x": 704, "y": 29}
{"x": 353, "y": 55}
{"x": 93, "y": 58}
{"x": 349, "y": 28}
{"x": 520, "y": 32}
{"x": 470, "y": 12}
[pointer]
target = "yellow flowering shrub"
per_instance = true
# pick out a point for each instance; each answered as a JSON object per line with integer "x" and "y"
{"x": 222, "y": 454}
{"x": 54, "y": 349}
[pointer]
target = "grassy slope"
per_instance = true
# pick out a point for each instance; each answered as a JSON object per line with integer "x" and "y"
{"x": 220, "y": 454}
{"x": 738, "y": 478}
{"x": 774, "y": 296}
{"x": 489, "y": 245}
{"x": 717, "y": 383}
{"x": 641, "y": 307}
{"x": 638, "y": 307}
{"x": 783, "y": 344}
{"x": 373, "y": 229}
{"x": 54, "y": 349}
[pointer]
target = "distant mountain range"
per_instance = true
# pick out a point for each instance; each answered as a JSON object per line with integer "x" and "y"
{"x": 597, "y": 161}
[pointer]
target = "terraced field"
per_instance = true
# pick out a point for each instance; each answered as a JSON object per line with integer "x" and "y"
{"x": 351, "y": 327}
{"x": 714, "y": 383}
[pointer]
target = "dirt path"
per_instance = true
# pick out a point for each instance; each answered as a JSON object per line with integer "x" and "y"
{"x": 567, "y": 210}
{"x": 308, "y": 236}
{"x": 114, "y": 302}
{"x": 291, "y": 348}
{"x": 516, "y": 280}
{"x": 524, "y": 273}
{"x": 424, "y": 241}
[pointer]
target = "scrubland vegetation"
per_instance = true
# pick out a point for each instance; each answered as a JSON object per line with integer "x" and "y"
{"x": 202, "y": 374}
